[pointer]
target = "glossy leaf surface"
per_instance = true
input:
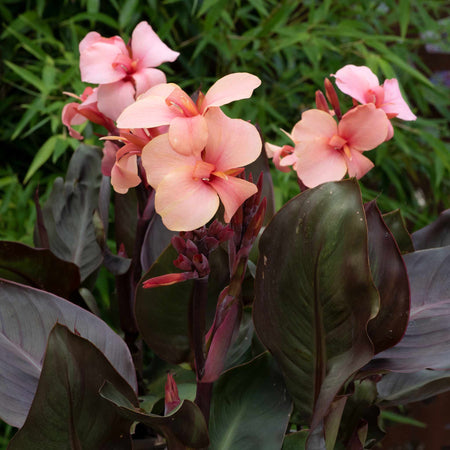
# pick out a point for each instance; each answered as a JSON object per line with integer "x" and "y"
{"x": 67, "y": 411}
{"x": 27, "y": 316}
{"x": 437, "y": 234}
{"x": 250, "y": 407}
{"x": 315, "y": 294}
{"x": 396, "y": 224}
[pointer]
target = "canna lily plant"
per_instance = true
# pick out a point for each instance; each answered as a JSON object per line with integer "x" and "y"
{"x": 236, "y": 327}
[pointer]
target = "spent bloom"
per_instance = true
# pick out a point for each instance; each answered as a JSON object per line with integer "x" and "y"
{"x": 190, "y": 187}
{"x": 326, "y": 150}
{"x": 123, "y": 71}
{"x": 77, "y": 113}
{"x": 168, "y": 104}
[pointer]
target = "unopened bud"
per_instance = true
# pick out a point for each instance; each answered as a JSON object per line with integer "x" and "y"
{"x": 321, "y": 102}
{"x": 201, "y": 264}
{"x": 171, "y": 397}
{"x": 179, "y": 244}
{"x": 169, "y": 279}
{"x": 332, "y": 97}
{"x": 183, "y": 263}
{"x": 191, "y": 249}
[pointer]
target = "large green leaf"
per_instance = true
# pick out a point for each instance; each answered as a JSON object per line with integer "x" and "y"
{"x": 27, "y": 316}
{"x": 69, "y": 210}
{"x": 315, "y": 294}
{"x": 183, "y": 427}
{"x": 67, "y": 410}
{"x": 391, "y": 280}
{"x": 39, "y": 268}
{"x": 162, "y": 312}
{"x": 250, "y": 407}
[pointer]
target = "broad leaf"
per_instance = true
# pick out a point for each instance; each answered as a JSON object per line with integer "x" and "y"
{"x": 437, "y": 234}
{"x": 27, "y": 316}
{"x": 183, "y": 427}
{"x": 390, "y": 278}
{"x": 126, "y": 216}
{"x": 250, "y": 407}
{"x": 162, "y": 312}
{"x": 38, "y": 268}
{"x": 401, "y": 388}
{"x": 426, "y": 344}
{"x": 69, "y": 210}
{"x": 67, "y": 410}
{"x": 396, "y": 224}
{"x": 315, "y": 294}
{"x": 295, "y": 441}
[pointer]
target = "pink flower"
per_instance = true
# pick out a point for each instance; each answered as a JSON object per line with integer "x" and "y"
{"x": 362, "y": 84}
{"x": 168, "y": 104}
{"x": 277, "y": 154}
{"x": 325, "y": 150}
{"x": 188, "y": 187}
{"x": 123, "y": 71}
{"x": 78, "y": 113}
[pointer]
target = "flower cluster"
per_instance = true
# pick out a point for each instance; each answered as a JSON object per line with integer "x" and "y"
{"x": 325, "y": 150}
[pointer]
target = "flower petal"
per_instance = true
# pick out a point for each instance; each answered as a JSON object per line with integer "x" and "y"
{"x": 70, "y": 116}
{"x": 359, "y": 165}
{"x": 97, "y": 59}
{"x": 356, "y": 81}
{"x": 124, "y": 174}
{"x": 159, "y": 159}
{"x": 109, "y": 158}
{"x": 315, "y": 124}
{"x": 183, "y": 203}
{"x": 231, "y": 143}
{"x": 147, "y": 112}
{"x": 319, "y": 163}
{"x": 232, "y": 192}
{"x": 394, "y": 103}
{"x": 113, "y": 98}
{"x": 364, "y": 127}
{"x": 235, "y": 86}
{"x": 148, "y": 49}
{"x": 146, "y": 78}
{"x": 188, "y": 135}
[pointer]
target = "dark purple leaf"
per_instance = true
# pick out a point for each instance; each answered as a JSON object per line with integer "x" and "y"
{"x": 126, "y": 216}
{"x": 315, "y": 294}
{"x": 183, "y": 428}
{"x": 67, "y": 410}
{"x": 27, "y": 316}
{"x": 38, "y": 268}
{"x": 68, "y": 213}
{"x": 396, "y": 225}
{"x": 437, "y": 234}
{"x": 390, "y": 278}
{"x": 426, "y": 344}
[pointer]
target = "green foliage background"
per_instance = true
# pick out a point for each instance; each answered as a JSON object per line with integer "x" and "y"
{"x": 290, "y": 45}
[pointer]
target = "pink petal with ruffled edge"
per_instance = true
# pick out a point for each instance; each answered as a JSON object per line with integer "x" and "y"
{"x": 356, "y": 81}
{"x": 70, "y": 116}
{"x": 97, "y": 57}
{"x": 146, "y": 78}
{"x": 359, "y": 165}
{"x": 289, "y": 160}
{"x": 232, "y": 192}
{"x": 229, "y": 88}
{"x": 147, "y": 112}
{"x": 232, "y": 143}
{"x": 274, "y": 152}
{"x": 188, "y": 135}
{"x": 160, "y": 159}
{"x": 113, "y": 98}
{"x": 315, "y": 124}
{"x": 124, "y": 174}
{"x": 319, "y": 163}
{"x": 364, "y": 127}
{"x": 183, "y": 203}
{"x": 148, "y": 49}
{"x": 394, "y": 103}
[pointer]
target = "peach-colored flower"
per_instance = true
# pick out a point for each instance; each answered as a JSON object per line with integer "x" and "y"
{"x": 77, "y": 113}
{"x": 123, "y": 71}
{"x": 326, "y": 150}
{"x": 188, "y": 187}
{"x": 168, "y": 104}
{"x": 362, "y": 84}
